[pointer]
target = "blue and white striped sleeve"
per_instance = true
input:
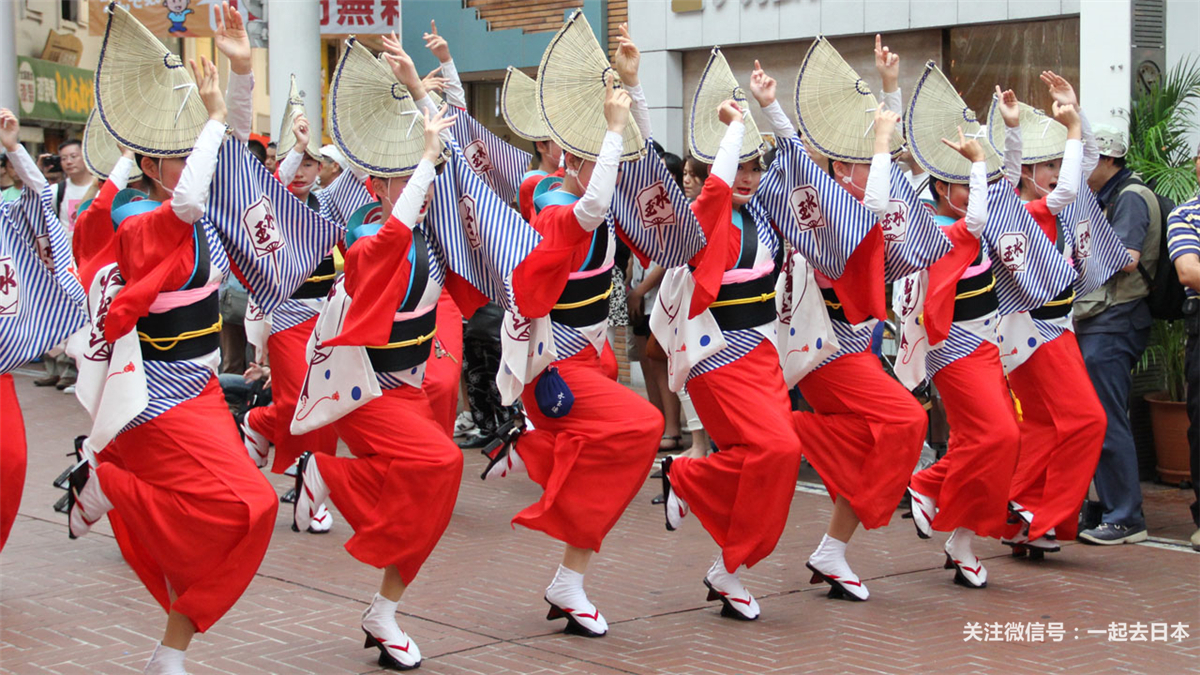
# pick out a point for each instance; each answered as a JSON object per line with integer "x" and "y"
{"x": 1183, "y": 230}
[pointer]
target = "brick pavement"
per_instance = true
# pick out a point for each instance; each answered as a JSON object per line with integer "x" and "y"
{"x": 74, "y": 607}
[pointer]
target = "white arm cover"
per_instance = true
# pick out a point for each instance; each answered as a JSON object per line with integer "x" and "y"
{"x": 119, "y": 175}
{"x": 725, "y": 164}
{"x": 427, "y": 104}
{"x": 1013, "y": 147}
{"x": 408, "y": 207}
{"x": 1065, "y": 191}
{"x": 779, "y": 120}
{"x": 593, "y": 205}
{"x": 455, "y": 94}
{"x": 977, "y": 202}
{"x": 640, "y": 110}
{"x": 892, "y": 100}
{"x": 192, "y": 191}
{"x": 27, "y": 169}
{"x": 290, "y": 165}
{"x": 878, "y": 193}
{"x": 239, "y": 98}
{"x": 1091, "y": 150}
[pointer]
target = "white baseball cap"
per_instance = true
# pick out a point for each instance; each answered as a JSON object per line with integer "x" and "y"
{"x": 331, "y": 152}
{"x": 1111, "y": 140}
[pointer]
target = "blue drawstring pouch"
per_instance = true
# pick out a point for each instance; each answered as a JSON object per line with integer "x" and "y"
{"x": 554, "y": 397}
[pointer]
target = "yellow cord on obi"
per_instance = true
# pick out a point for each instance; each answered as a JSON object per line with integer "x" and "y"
{"x": 1064, "y": 301}
{"x": 317, "y": 280}
{"x": 164, "y": 344}
{"x": 409, "y": 343}
{"x": 977, "y": 291}
{"x": 744, "y": 301}
{"x": 584, "y": 303}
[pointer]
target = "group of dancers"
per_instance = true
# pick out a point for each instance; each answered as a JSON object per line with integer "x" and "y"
{"x": 775, "y": 279}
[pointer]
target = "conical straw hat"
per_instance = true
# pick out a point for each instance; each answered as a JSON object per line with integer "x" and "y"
{"x": 100, "y": 150}
{"x": 146, "y": 95}
{"x": 570, "y": 93}
{"x": 836, "y": 108}
{"x": 705, "y": 129}
{"x": 936, "y": 111}
{"x": 1043, "y": 138}
{"x": 518, "y": 105}
{"x": 287, "y": 139}
{"x": 374, "y": 120}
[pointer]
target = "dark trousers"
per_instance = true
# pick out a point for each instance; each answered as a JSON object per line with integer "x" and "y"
{"x": 481, "y": 362}
{"x": 1110, "y": 358}
{"x": 1192, "y": 370}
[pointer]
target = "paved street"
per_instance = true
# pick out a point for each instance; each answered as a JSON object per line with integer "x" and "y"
{"x": 75, "y": 607}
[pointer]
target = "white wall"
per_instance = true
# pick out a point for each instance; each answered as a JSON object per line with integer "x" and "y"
{"x": 661, "y": 34}
{"x": 1104, "y": 60}
{"x": 1183, "y": 37}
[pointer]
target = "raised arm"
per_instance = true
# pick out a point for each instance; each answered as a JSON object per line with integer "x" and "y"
{"x": 593, "y": 206}
{"x": 626, "y": 62}
{"x": 451, "y": 84}
{"x": 119, "y": 176}
{"x": 1064, "y": 94}
{"x": 878, "y": 193}
{"x": 406, "y": 73}
{"x": 887, "y": 64}
{"x": 762, "y": 87}
{"x": 1069, "y": 174}
{"x": 976, "y": 217}
{"x": 232, "y": 41}
{"x": 1010, "y": 111}
{"x": 191, "y": 193}
{"x": 23, "y": 164}
{"x": 291, "y": 164}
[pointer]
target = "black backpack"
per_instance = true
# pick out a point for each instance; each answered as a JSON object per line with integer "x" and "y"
{"x": 1167, "y": 294}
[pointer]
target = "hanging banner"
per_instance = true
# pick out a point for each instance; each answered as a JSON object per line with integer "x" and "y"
{"x": 51, "y": 92}
{"x": 198, "y": 18}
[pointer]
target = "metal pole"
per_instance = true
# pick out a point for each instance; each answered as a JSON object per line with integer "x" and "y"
{"x": 294, "y": 31}
{"x": 8, "y": 56}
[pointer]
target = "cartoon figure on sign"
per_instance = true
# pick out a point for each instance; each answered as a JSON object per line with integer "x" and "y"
{"x": 1083, "y": 239}
{"x": 895, "y": 222}
{"x": 10, "y": 292}
{"x": 477, "y": 158}
{"x": 466, "y": 207}
{"x": 654, "y": 207}
{"x": 259, "y": 221}
{"x": 1012, "y": 250}
{"x": 806, "y": 207}
{"x": 177, "y": 13}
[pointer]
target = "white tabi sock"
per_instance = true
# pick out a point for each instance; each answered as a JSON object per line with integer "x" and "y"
{"x": 166, "y": 661}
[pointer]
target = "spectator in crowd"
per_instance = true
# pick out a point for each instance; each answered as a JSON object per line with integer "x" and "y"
{"x": 332, "y": 165}
{"x": 233, "y": 299}
{"x": 1183, "y": 242}
{"x": 10, "y": 184}
{"x": 1113, "y": 327}
{"x": 257, "y": 149}
{"x": 71, "y": 191}
{"x": 270, "y": 161}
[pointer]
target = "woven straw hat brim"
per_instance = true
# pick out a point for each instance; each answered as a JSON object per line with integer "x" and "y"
{"x": 571, "y": 91}
{"x": 287, "y": 139}
{"x": 373, "y": 118}
{"x": 936, "y": 111}
{"x": 1043, "y": 138}
{"x": 518, "y": 105}
{"x": 705, "y": 129}
{"x": 100, "y": 150}
{"x": 836, "y": 108}
{"x": 146, "y": 95}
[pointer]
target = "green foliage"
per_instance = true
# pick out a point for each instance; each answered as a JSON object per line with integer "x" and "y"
{"x": 1167, "y": 350}
{"x": 1160, "y": 122}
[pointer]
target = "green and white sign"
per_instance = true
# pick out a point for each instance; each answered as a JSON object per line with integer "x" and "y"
{"x": 54, "y": 93}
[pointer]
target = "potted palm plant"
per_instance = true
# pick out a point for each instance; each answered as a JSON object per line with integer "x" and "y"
{"x": 1161, "y": 121}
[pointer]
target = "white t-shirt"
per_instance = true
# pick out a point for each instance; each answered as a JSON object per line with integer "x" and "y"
{"x": 72, "y": 198}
